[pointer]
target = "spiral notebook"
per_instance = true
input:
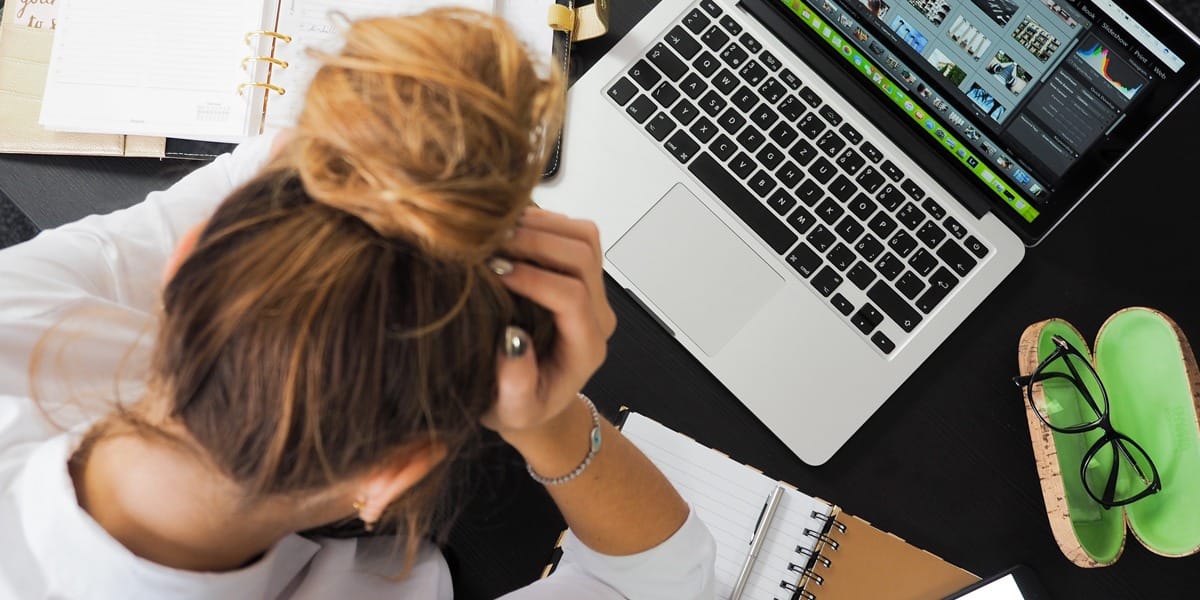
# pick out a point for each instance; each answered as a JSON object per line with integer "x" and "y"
{"x": 812, "y": 550}
{"x": 219, "y": 70}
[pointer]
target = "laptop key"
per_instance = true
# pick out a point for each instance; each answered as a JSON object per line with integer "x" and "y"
{"x": 851, "y": 134}
{"x": 641, "y": 109}
{"x": 764, "y": 117}
{"x": 790, "y": 79}
{"x": 870, "y": 180}
{"x": 822, "y": 170}
{"x": 781, "y": 202}
{"x": 831, "y": 143}
{"x": 682, "y": 146}
{"x": 667, "y": 62}
{"x": 862, "y": 206}
{"x": 750, "y": 43}
{"x": 714, "y": 38}
{"x": 731, "y": 121}
{"x": 910, "y": 285}
{"x": 831, "y": 114}
{"x": 810, "y": 192}
{"x": 958, "y": 259}
{"x": 902, "y": 243}
{"x": 910, "y": 215}
{"x": 849, "y": 229}
{"x": 850, "y": 161}
{"x": 882, "y": 342}
{"x": 931, "y": 234}
{"x": 801, "y": 220}
{"x": 934, "y": 209}
{"x": 976, "y": 247}
{"x": 842, "y": 188}
{"x": 790, "y": 175}
{"x": 762, "y": 184}
{"x": 739, "y": 200}
{"x": 923, "y": 262}
{"x": 940, "y": 284}
{"x": 693, "y": 85}
{"x": 810, "y": 97}
{"x": 892, "y": 171}
{"x": 867, "y": 319}
{"x": 644, "y": 74}
{"x": 723, "y": 147}
{"x": 706, "y": 64}
{"x": 783, "y": 134}
{"x": 792, "y": 108}
{"x": 829, "y": 211}
{"x": 770, "y": 62}
{"x": 882, "y": 225}
{"x": 712, "y": 103}
{"x": 955, "y": 228}
{"x": 660, "y": 126}
{"x": 889, "y": 266}
{"x": 770, "y": 156}
{"x": 871, "y": 152}
{"x": 803, "y": 152}
{"x": 745, "y": 99}
{"x": 841, "y": 257}
{"x": 665, "y": 94}
{"x": 622, "y": 91}
{"x": 869, "y": 248}
{"x": 733, "y": 55}
{"x": 810, "y": 125}
{"x": 742, "y": 165}
{"x": 896, "y": 307}
{"x": 911, "y": 188}
{"x": 772, "y": 91}
{"x": 804, "y": 260}
{"x": 890, "y": 197}
{"x": 827, "y": 281}
{"x": 861, "y": 275}
{"x": 821, "y": 238}
{"x": 711, "y": 7}
{"x": 842, "y": 304}
{"x": 751, "y": 139}
{"x": 730, "y": 25}
{"x": 682, "y": 42}
{"x": 695, "y": 21}
{"x": 703, "y": 129}
{"x": 725, "y": 81}
{"x": 753, "y": 73}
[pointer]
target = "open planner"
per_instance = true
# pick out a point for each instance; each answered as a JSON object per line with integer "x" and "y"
{"x": 218, "y": 70}
{"x": 811, "y": 549}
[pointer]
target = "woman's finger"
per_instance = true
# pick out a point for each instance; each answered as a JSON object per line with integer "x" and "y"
{"x": 580, "y": 345}
{"x": 556, "y": 252}
{"x": 552, "y": 222}
{"x": 518, "y": 404}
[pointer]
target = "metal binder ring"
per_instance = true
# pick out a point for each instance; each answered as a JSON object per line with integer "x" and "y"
{"x": 795, "y": 568}
{"x": 812, "y": 555}
{"x": 817, "y": 535}
{"x": 282, "y": 64}
{"x": 283, "y": 37}
{"x": 259, "y": 84}
{"x": 841, "y": 527}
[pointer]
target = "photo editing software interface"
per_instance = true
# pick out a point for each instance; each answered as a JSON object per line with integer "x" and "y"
{"x": 1016, "y": 91}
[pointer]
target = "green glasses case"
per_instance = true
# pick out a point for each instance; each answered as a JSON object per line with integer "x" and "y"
{"x": 1150, "y": 374}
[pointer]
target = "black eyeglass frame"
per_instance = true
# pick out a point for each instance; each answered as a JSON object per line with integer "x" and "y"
{"x": 1103, "y": 421}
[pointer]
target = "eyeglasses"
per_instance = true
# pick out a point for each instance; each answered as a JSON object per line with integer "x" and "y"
{"x": 1106, "y": 475}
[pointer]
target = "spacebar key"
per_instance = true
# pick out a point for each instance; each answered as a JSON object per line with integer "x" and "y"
{"x": 739, "y": 199}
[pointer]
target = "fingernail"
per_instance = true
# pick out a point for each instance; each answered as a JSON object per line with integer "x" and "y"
{"x": 516, "y": 342}
{"x": 500, "y": 266}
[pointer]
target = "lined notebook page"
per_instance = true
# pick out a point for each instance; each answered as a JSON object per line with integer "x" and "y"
{"x": 729, "y": 497}
{"x": 311, "y": 25}
{"x": 152, "y": 67}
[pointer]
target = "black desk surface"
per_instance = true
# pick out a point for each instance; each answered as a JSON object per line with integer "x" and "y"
{"x": 946, "y": 463}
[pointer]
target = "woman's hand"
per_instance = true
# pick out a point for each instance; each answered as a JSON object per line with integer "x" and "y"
{"x": 557, "y": 264}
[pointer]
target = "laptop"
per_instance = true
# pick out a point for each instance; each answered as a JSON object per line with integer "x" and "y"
{"x": 811, "y": 195}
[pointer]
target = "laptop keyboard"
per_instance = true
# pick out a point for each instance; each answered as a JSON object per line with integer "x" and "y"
{"x": 845, "y": 217}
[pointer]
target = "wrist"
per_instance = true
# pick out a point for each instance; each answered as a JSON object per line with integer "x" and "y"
{"x": 559, "y": 446}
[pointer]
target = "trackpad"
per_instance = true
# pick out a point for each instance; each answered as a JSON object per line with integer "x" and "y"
{"x": 695, "y": 269}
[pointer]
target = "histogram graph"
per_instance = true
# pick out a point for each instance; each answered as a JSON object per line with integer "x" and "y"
{"x": 1114, "y": 69}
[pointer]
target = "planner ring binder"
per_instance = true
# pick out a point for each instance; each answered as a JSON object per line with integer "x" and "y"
{"x": 829, "y": 519}
{"x": 258, "y": 84}
{"x": 282, "y": 64}
{"x": 283, "y": 37}
{"x": 271, "y": 61}
{"x": 822, "y": 536}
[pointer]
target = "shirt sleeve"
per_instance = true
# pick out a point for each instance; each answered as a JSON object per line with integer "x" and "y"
{"x": 680, "y": 568}
{"x": 105, "y": 270}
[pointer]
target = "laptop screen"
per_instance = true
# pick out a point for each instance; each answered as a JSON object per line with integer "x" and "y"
{"x": 1035, "y": 100}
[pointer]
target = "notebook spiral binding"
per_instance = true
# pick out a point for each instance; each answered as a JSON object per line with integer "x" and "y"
{"x": 816, "y": 557}
{"x": 272, "y": 62}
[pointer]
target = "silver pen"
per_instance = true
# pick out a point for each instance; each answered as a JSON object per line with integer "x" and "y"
{"x": 756, "y": 541}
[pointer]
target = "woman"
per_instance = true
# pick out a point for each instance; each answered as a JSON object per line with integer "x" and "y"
{"x": 328, "y": 344}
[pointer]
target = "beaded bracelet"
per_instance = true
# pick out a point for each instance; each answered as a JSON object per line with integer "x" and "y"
{"x": 593, "y": 448}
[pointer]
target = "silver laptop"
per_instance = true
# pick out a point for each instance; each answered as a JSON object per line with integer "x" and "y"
{"x": 811, "y": 195}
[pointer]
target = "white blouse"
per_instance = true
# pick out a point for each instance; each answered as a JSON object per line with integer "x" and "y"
{"x": 97, "y": 282}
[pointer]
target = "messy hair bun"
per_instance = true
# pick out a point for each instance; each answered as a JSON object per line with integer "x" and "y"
{"x": 432, "y": 128}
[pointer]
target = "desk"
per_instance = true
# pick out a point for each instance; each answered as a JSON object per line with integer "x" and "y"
{"x": 946, "y": 463}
